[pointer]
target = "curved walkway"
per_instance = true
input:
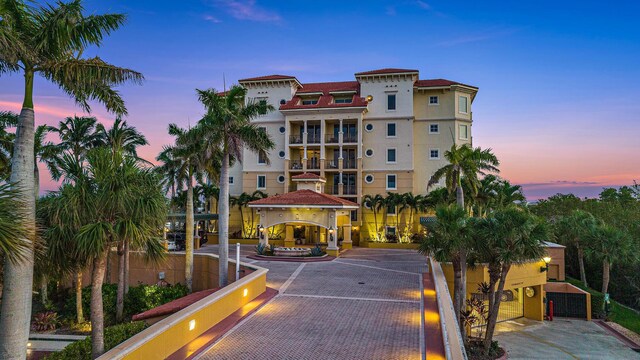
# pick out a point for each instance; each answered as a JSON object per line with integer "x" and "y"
{"x": 364, "y": 305}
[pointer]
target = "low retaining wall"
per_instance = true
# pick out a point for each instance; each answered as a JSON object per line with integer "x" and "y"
{"x": 383, "y": 245}
{"x": 169, "y": 335}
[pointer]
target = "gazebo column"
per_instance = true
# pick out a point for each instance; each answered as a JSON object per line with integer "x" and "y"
{"x": 332, "y": 235}
{"x": 289, "y": 240}
{"x": 346, "y": 237}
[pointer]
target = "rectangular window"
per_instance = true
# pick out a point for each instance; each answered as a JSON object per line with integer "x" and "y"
{"x": 230, "y": 180}
{"x": 354, "y": 215}
{"x": 392, "y": 182}
{"x": 391, "y": 210}
{"x": 433, "y": 100}
{"x": 391, "y": 130}
{"x": 434, "y": 154}
{"x": 434, "y": 129}
{"x": 262, "y": 182}
{"x": 262, "y": 102}
{"x": 343, "y": 101}
{"x": 463, "y": 106}
{"x": 391, "y": 156}
{"x": 463, "y": 132}
{"x": 391, "y": 101}
{"x": 391, "y": 230}
{"x": 310, "y": 102}
{"x": 262, "y": 158}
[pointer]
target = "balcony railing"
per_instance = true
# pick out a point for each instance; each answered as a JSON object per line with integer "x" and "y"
{"x": 349, "y": 190}
{"x": 350, "y": 138}
{"x": 313, "y": 164}
{"x": 332, "y": 164}
{"x": 332, "y": 139}
{"x": 295, "y": 139}
{"x": 295, "y": 165}
{"x": 332, "y": 190}
{"x": 313, "y": 139}
{"x": 349, "y": 164}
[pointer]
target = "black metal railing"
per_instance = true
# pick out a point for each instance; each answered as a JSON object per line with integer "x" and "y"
{"x": 349, "y": 190}
{"x": 332, "y": 164}
{"x": 295, "y": 165}
{"x": 349, "y": 164}
{"x": 313, "y": 164}
{"x": 332, "y": 139}
{"x": 295, "y": 139}
{"x": 313, "y": 139}
{"x": 350, "y": 138}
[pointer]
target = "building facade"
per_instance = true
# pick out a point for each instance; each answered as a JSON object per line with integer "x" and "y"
{"x": 384, "y": 132}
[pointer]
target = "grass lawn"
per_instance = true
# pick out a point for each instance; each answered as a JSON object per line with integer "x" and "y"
{"x": 619, "y": 313}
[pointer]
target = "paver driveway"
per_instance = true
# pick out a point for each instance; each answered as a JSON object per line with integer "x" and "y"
{"x": 364, "y": 305}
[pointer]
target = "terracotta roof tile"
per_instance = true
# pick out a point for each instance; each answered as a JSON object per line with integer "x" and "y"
{"x": 386, "y": 71}
{"x": 268, "y": 77}
{"x": 307, "y": 176}
{"x": 326, "y": 87}
{"x": 304, "y": 198}
{"x": 438, "y": 83}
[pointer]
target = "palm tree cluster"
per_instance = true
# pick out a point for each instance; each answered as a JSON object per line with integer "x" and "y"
{"x": 248, "y": 228}
{"x": 207, "y": 151}
{"x": 50, "y": 41}
{"x": 398, "y": 206}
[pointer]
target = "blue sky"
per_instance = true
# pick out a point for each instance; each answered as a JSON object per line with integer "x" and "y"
{"x": 558, "y": 100}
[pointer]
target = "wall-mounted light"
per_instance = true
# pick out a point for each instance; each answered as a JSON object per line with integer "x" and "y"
{"x": 546, "y": 260}
{"x": 245, "y": 292}
{"x": 192, "y": 324}
{"x": 331, "y": 230}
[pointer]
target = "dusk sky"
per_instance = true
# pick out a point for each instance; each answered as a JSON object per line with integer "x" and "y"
{"x": 558, "y": 100}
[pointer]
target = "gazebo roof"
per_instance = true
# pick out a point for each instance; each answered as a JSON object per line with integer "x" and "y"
{"x": 307, "y": 176}
{"x": 305, "y": 198}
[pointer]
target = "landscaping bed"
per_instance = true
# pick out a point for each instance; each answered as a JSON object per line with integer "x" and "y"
{"x": 475, "y": 351}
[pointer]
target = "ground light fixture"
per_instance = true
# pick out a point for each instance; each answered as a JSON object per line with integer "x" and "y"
{"x": 192, "y": 324}
{"x": 546, "y": 260}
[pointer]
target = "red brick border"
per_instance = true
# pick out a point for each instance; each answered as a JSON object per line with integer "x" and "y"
{"x": 214, "y": 334}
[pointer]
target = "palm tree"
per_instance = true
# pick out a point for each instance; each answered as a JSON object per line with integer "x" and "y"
{"x": 507, "y": 237}
{"x": 188, "y": 156}
{"x": 610, "y": 245}
{"x": 121, "y": 136}
{"x": 414, "y": 204}
{"x": 227, "y": 129}
{"x": 7, "y": 120}
{"x": 48, "y": 41}
{"x": 486, "y": 195}
{"x": 465, "y": 164}
{"x": 169, "y": 169}
{"x": 375, "y": 203}
{"x": 241, "y": 202}
{"x": 77, "y": 135}
{"x": 13, "y": 236}
{"x": 508, "y": 195}
{"x": 573, "y": 230}
{"x": 443, "y": 242}
{"x": 128, "y": 203}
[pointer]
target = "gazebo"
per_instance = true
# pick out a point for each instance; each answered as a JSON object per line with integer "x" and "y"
{"x": 308, "y": 205}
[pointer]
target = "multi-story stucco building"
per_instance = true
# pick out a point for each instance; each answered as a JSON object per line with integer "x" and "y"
{"x": 386, "y": 131}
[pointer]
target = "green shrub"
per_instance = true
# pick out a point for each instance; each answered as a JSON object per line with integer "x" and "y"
{"x": 139, "y": 299}
{"x": 597, "y": 305}
{"x": 113, "y": 336}
{"x": 145, "y": 297}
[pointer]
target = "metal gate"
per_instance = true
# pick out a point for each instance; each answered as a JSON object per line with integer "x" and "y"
{"x": 568, "y": 304}
{"x": 511, "y": 306}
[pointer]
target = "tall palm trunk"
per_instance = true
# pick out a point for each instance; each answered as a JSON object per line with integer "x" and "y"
{"x": 457, "y": 295}
{"x": 126, "y": 267}
{"x": 79, "y": 312}
{"x": 18, "y": 277}
{"x": 223, "y": 210}
{"x": 120, "y": 290}
{"x": 493, "y": 311}
{"x": 375, "y": 221}
{"x": 97, "y": 313}
{"x": 243, "y": 232}
{"x": 188, "y": 268}
{"x": 583, "y": 273}
{"x": 606, "y": 268}
{"x": 463, "y": 258}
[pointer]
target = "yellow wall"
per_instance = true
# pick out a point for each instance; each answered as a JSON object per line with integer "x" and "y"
{"x": 172, "y": 333}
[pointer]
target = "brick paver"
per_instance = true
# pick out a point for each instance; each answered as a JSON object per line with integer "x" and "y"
{"x": 363, "y": 306}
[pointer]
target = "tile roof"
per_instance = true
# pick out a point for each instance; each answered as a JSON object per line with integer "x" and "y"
{"x": 309, "y": 176}
{"x": 268, "y": 77}
{"x": 438, "y": 83}
{"x": 386, "y": 71}
{"x": 304, "y": 198}
{"x": 326, "y": 100}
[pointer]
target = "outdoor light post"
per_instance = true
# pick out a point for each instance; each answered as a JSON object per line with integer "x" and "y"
{"x": 331, "y": 230}
{"x": 261, "y": 231}
{"x": 546, "y": 260}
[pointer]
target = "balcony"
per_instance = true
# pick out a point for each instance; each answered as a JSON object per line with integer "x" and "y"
{"x": 350, "y": 138}
{"x": 295, "y": 139}
{"x": 349, "y": 164}
{"x": 295, "y": 165}
{"x": 331, "y": 139}
{"x": 313, "y": 139}
{"x": 332, "y": 164}
{"x": 313, "y": 164}
{"x": 349, "y": 190}
{"x": 331, "y": 190}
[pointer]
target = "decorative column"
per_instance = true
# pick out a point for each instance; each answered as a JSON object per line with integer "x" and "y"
{"x": 346, "y": 236}
{"x": 332, "y": 235}
{"x": 289, "y": 241}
